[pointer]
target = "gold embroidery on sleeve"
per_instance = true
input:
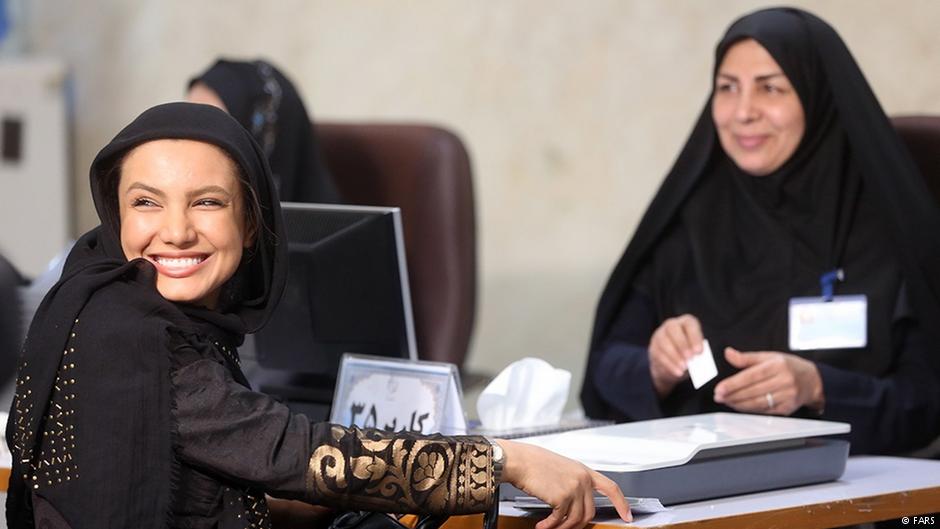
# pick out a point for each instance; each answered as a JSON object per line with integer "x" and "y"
{"x": 368, "y": 469}
{"x": 330, "y": 471}
{"x": 429, "y": 472}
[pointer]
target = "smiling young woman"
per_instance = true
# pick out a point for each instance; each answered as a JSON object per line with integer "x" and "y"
{"x": 131, "y": 409}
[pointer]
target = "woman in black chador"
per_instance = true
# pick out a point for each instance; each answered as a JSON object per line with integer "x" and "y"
{"x": 268, "y": 105}
{"x": 792, "y": 178}
{"x": 131, "y": 409}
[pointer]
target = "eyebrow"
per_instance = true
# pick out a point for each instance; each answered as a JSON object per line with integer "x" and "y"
{"x": 145, "y": 187}
{"x": 201, "y": 191}
{"x": 764, "y": 77}
{"x": 211, "y": 189}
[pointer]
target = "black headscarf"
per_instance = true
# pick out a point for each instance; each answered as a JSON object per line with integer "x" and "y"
{"x": 732, "y": 248}
{"x": 266, "y": 103}
{"x": 123, "y": 430}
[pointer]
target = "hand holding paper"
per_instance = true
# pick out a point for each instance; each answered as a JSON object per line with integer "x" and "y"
{"x": 672, "y": 345}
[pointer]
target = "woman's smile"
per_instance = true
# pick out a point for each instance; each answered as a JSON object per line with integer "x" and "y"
{"x": 751, "y": 141}
{"x": 178, "y": 266}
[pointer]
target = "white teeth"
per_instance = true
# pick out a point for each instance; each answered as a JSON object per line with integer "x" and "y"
{"x": 183, "y": 262}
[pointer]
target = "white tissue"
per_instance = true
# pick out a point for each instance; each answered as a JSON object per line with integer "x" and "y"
{"x": 529, "y": 392}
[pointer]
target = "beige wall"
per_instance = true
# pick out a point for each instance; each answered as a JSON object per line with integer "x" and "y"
{"x": 572, "y": 111}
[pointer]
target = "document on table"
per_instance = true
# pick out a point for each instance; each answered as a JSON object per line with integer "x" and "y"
{"x": 637, "y": 505}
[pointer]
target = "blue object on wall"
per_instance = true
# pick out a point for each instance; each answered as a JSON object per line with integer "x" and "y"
{"x": 4, "y": 21}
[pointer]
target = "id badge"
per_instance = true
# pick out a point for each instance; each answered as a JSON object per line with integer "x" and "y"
{"x": 838, "y": 324}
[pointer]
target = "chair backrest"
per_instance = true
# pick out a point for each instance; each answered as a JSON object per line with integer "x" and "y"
{"x": 921, "y": 134}
{"x": 425, "y": 171}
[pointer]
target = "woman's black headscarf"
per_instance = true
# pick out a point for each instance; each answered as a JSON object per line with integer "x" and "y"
{"x": 266, "y": 103}
{"x": 261, "y": 275}
{"x": 733, "y": 248}
{"x": 129, "y": 436}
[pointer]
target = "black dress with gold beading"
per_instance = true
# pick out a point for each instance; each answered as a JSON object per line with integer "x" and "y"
{"x": 158, "y": 428}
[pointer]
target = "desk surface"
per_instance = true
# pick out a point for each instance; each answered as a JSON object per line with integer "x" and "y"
{"x": 872, "y": 488}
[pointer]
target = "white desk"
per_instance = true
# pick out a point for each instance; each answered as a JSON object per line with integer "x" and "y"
{"x": 872, "y": 488}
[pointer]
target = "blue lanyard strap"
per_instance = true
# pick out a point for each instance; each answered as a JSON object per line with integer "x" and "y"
{"x": 828, "y": 280}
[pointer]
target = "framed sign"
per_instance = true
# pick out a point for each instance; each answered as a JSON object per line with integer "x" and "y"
{"x": 398, "y": 395}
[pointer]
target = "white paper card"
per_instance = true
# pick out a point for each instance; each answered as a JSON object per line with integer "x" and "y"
{"x": 838, "y": 324}
{"x": 398, "y": 395}
{"x": 702, "y": 366}
{"x": 637, "y": 505}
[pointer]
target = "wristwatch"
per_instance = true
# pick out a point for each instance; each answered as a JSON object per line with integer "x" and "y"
{"x": 499, "y": 461}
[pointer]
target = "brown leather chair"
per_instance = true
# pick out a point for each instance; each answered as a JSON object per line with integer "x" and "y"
{"x": 921, "y": 134}
{"x": 425, "y": 171}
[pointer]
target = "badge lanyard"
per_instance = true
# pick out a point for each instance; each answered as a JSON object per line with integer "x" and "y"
{"x": 827, "y": 282}
{"x": 828, "y": 279}
{"x": 830, "y": 321}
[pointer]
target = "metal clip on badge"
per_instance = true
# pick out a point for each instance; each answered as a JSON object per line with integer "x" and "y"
{"x": 827, "y": 282}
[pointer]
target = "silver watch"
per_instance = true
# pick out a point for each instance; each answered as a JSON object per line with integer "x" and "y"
{"x": 499, "y": 461}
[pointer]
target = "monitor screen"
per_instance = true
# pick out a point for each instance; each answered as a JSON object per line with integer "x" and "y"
{"x": 347, "y": 292}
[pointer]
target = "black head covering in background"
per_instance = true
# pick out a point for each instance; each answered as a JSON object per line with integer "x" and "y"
{"x": 732, "y": 248}
{"x": 97, "y": 274}
{"x": 266, "y": 103}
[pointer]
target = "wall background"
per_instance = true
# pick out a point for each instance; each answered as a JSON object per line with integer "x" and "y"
{"x": 572, "y": 112}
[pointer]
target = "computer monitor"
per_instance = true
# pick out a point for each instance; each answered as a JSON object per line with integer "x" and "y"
{"x": 347, "y": 292}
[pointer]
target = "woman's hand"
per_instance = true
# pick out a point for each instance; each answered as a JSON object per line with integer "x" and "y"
{"x": 566, "y": 485}
{"x": 770, "y": 382}
{"x": 671, "y": 346}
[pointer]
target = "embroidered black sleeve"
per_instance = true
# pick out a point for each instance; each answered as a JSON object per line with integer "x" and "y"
{"x": 400, "y": 472}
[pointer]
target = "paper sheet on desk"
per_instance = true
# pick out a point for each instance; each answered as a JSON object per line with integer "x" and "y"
{"x": 610, "y": 452}
{"x": 672, "y": 441}
{"x": 637, "y": 505}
